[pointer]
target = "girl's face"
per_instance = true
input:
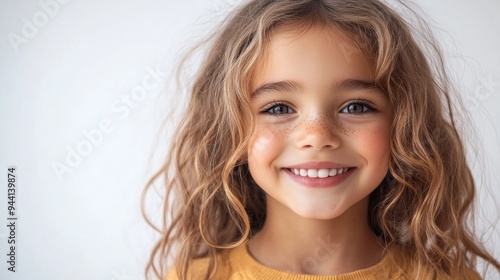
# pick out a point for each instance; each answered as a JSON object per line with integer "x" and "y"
{"x": 322, "y": 140}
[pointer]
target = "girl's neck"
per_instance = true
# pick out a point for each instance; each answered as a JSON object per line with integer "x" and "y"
{"x": 294, "y": 244}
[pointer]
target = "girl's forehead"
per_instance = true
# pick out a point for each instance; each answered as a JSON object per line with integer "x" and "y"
{"x": 293, "y": 31}
{"x": 289, "y": 47}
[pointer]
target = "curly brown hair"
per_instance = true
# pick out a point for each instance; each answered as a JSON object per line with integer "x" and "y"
{"x": 424, "y": 205}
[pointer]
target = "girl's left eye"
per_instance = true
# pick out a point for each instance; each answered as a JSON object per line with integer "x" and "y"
{"x": 357, "y": 107}
{"x": 278, "y": 109}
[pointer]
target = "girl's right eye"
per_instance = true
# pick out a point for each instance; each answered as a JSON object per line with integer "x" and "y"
{"x": 278, "y": 109}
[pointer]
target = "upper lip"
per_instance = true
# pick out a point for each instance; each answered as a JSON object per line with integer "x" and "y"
{"x": 318, "y": 165}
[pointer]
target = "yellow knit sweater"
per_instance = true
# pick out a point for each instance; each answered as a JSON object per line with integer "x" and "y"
{"x": 238, "y": 264}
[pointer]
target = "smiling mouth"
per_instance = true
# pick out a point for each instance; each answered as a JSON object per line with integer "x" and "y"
{"x": 319, "y": 173}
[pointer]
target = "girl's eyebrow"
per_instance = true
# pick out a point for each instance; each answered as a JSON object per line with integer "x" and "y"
{"x": 353, "y": 84}
{"x": 280, "y": 86}
{"x": 291, "y": 86}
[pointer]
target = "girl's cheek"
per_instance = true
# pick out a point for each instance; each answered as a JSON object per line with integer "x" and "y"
{"x": 264, "y": 141}
{"x": 376, "y": 143}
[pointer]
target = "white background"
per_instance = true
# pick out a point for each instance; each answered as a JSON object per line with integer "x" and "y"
{"x": 70, "y": 74}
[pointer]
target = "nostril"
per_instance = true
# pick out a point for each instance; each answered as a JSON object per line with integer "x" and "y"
{"x": 318, "y": 141}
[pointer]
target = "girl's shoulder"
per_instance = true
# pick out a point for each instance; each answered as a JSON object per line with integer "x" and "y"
{"x": 198, "y": 267}
{"x": 237, "y": 263}
{"x": 407, "y": 269}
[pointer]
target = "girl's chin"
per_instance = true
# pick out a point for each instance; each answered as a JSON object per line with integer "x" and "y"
{"x": 315, "y": 212}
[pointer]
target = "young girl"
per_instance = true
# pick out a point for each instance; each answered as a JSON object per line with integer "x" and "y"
{"x": 319, "y": 143}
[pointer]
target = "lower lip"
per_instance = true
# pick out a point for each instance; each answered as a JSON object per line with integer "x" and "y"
{"x": 319, "y": 182}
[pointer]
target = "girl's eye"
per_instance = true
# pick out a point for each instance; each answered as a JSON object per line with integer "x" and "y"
{"x": 279, "y": 109}
{"x": 357, "y": 107}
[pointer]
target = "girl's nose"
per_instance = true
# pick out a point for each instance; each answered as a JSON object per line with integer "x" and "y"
{"x": 318, "y": 133}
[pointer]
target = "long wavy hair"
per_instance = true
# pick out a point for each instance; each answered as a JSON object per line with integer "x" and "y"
{"x": 425, "y": 204}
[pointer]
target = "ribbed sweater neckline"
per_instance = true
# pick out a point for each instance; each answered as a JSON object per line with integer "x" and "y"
{"x": 245, "y": 263}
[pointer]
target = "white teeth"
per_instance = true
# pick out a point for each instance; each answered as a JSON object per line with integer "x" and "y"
{"x": 321, "y": 173}
{"x": 312, "y": 173}
{"x": 333, "y": 172}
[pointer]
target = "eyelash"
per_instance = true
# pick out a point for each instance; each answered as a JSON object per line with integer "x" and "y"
{"x": 368, "y": 107}
{"x": 267, "y": 109}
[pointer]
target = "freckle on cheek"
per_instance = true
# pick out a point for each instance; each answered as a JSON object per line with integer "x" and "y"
{"x": 344, "y": 130}
{"x": 284, "y": 132}
{"x": 351, "y": 132}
